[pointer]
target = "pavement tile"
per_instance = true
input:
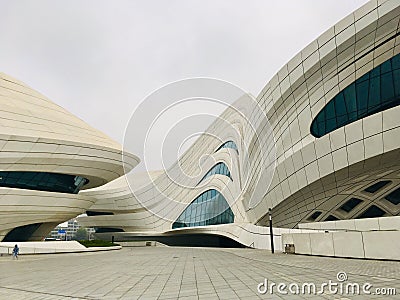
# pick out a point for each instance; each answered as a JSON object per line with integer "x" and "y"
{"x": 173, "y": 273}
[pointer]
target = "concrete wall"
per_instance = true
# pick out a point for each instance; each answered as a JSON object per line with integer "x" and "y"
{"x": 384, "y": 244}
{"x": 383, "y": 223}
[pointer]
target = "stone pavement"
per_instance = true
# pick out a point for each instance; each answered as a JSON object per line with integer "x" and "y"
{"x": 183, "y": 273}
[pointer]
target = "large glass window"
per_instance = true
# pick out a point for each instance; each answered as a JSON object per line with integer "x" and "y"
{"x": 377, "y": 186}
{"x": 42, "y": 181}
{"x": 228, "y": 144}
{"x": 219, "y": 168}
{"x": 394, "y": 197}
{"x": 374, "y": 92}
{"x": 209, "y": 208}
{"x": 372, "y": 212}
{"x": 349, "y": 205}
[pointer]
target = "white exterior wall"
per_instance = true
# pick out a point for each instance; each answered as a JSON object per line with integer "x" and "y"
{"x": 376, "y": 238}
{"x": 352, "y": 244}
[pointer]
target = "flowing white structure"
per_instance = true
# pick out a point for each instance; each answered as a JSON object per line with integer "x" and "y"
{"x": 47, "y": 155}
{"x": 333, "y": 112}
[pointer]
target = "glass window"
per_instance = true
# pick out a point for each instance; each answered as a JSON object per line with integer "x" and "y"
{"x": 374, "y": 92}
{"x": 377, "y": 186}
{"x": 228, "y": 144}
{"x": 340, "y": 107}
{"x": 350, "y": 204}
{"x": 42, "y": 181}
{"x": 362, "y": 98}
{"x": 372, "y": 212}
{"x": 331, "y": 218}
{"x": 387, "y": 87}
{"x": 396, "y": 81}
{"x": 219, "y": 168}
{"x": 350, "y": 102}
{"x": 213, "y": 193}
{"x": 314, "y": 216}
{"x": 374, "y": 99}
{"x": 212, "y": 209}
{"x": 394, "y": 197}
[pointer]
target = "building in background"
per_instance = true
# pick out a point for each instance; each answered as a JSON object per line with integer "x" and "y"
{"x": 67, "y": 231}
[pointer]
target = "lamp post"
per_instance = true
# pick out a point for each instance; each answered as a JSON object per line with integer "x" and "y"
{"x": 271, "y": 233}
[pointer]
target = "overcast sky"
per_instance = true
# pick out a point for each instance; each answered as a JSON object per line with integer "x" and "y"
{"x": 99, "y": 59}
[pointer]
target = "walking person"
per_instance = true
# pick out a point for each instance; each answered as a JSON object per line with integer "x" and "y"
{"x": 15, "y": 252}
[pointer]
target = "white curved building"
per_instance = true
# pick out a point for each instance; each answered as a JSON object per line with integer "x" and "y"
{"x": 334, "y": 113}
{"x": 47, "y": 155}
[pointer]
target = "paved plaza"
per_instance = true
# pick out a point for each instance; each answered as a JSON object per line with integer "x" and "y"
{"x": 183, "y": 273}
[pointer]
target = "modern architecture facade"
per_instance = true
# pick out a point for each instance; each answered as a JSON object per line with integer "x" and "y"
{"x": 333, "y": 114}
{"x": 319, "y": 144}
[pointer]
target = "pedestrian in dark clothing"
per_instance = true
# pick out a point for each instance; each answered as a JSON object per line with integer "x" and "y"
{"x": 15, "y": 252}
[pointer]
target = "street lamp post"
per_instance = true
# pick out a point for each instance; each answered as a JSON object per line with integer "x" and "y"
{"x": 271, "y": 233}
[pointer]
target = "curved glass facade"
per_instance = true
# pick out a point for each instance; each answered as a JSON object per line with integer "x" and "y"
{"x": 43, "y": 181}
{"x": 220, "y": 168}
{"x": 228, "y": 144}
{"x": 374, "y": 92}
{"x": 210, "y": 208}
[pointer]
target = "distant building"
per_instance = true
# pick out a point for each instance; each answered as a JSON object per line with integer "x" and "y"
{"x": 60, "y": 232}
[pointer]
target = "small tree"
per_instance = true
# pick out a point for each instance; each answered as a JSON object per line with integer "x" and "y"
{"x": 80, "y": 234}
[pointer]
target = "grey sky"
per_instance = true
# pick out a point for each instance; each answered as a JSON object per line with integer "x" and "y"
{"x": 99, "y": 59}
